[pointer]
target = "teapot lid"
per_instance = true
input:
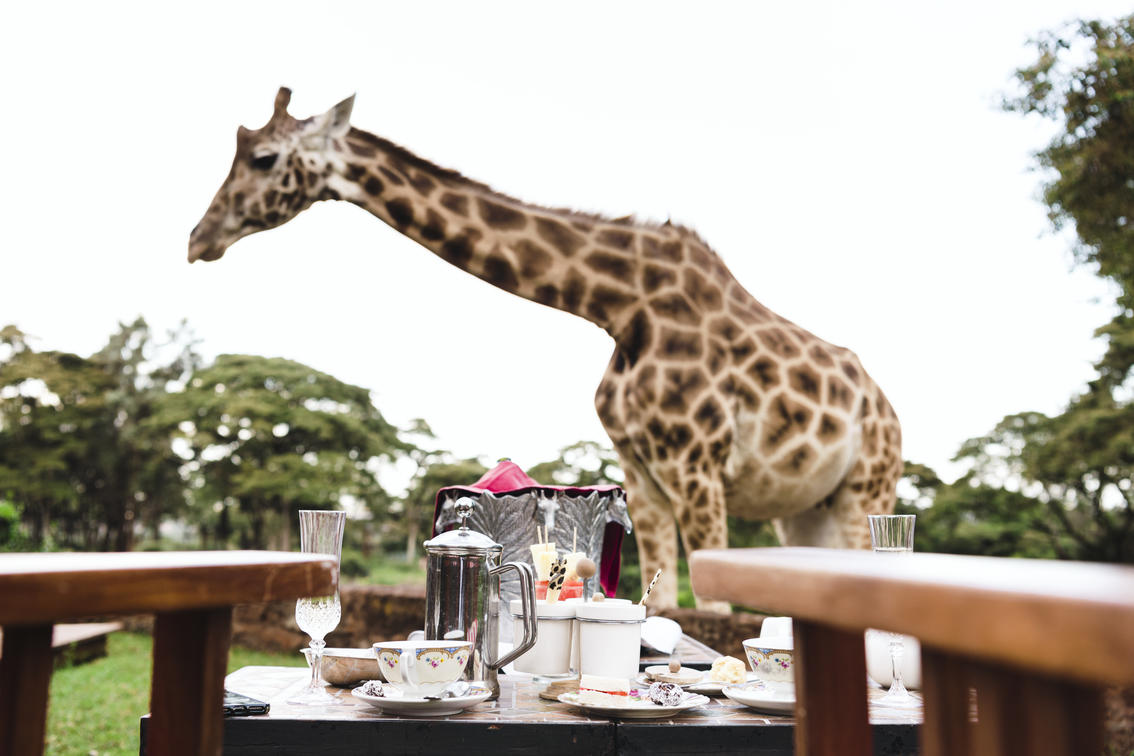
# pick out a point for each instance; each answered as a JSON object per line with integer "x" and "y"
{"x": 462, "y": 541}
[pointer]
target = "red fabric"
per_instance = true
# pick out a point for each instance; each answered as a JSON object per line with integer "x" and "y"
{"x": 508, "y": 478}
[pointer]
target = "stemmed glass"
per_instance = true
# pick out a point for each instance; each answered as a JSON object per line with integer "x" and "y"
{"x": 320, "y": 532}
{"x": 893, "y": 534}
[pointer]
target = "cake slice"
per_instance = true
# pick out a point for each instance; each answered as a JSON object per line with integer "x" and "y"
{"x": 604, "y": 691}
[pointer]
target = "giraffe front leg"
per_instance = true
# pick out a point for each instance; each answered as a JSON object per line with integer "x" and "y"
{"x": 704, "y": 525}
{"x": 656, "y": 536}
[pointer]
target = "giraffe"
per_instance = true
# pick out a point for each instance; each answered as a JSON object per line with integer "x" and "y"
{"x": 714, "y": 404}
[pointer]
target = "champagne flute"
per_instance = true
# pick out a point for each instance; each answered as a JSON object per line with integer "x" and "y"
{"x": 893, "y": 534}
{"x": 320, "y": 532}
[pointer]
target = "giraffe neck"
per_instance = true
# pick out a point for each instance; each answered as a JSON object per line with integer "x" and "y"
{"x": 581, "y": 264}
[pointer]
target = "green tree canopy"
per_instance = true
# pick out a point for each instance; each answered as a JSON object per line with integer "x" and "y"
{"x": 269, "y": 436}
{"x": 436, "y": 469}
{"x": 77, "y": 457}
{"x": 1068, "y": 477}
{"x": 1083, "y": 78}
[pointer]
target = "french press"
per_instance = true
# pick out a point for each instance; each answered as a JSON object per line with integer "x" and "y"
{"x": 462, "y": 597}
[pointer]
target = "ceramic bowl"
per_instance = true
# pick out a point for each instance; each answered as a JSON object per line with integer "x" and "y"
{"x": 347, "y": 667}
{"x": 438, "y": 664}
{"x": 772, "y": 663}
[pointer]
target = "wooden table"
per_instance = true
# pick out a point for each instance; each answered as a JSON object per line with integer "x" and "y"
{"x": 192, "y": 595}
{"x": 518, "y": 722}
{"x": 1014, "y": 651}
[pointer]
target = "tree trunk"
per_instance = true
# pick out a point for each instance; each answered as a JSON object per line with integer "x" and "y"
{"x": 411, "y": 542}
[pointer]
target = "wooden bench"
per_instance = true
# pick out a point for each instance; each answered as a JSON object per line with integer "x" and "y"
{"x": 191, "y": 594}
{"x": 1015, "y": 652}
{"x": 77, "y": 643}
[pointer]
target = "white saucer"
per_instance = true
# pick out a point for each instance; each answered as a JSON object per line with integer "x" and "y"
{"x": 760, "y": 698}
{"x": 420, "y": 707}
{"x": 715, "y": 687}
{"x": 634, "y": 711}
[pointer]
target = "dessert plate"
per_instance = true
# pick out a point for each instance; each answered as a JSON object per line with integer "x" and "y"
{"x": 715, "y": 687}
{"x": 760, "y": 698}
{"x": 628, "y": 710}
{"x": 394, "y": 703}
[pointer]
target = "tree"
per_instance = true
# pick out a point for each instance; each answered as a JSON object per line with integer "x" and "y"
{"x": 436, "y": 469}
{"x": 1083, "y": 459}
{"x": 267, "y": 437}
{"x": 1083, "y": 78}
{"x": 970, "y": 516}
{"x": 76, "y": 457}
{"x": 583, "y": 463}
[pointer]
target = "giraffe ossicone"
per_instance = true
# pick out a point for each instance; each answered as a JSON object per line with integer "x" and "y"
{"x": 714, "y": 404}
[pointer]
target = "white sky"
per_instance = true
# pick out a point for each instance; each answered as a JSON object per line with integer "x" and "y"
{"x": 847, "y": 160}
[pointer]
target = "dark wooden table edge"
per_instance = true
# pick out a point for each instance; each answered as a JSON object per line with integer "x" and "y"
{"x": 253, "y": 736}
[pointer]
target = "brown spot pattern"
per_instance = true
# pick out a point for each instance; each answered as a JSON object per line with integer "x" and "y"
{"x": 616, "y": 238}
{"x": 674, "y": 307}
{"x": 766, "y": 372}
{"x": 373, "y": 186}
{"x": 422, "y": 184}
{"x": 804, "y": 381}
{"x": 573, "y": 290}
{"x": 656, "y": 249}
{"x": 401, "y": 212}
{"x": 500, "y": 216}
{"x": 785, "y": 420}
{"x": 534, "y": 260}
{"x": 614, "y": 266}
{"x": 820, "y": 356}
{"x": 456, "y": 203}
{"x": 558, "y": 235}
{"x": 680, "y": 345}
{"x": 654, "y": 277}
{"x": 679, "y": 387}
{"x": 434, "y": 228}
{"x": 605, "y": 303}
{"x": 499, "y": 272}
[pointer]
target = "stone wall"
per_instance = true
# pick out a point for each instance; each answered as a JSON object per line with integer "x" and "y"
{"x": 722, "y": 632}
{"x": 369, "y": 613}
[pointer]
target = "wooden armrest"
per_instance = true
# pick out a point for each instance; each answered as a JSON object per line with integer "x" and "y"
{"x": 1066, "y": 619}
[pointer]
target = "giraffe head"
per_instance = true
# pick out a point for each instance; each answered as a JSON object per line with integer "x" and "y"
{"x": 278, "y": 171}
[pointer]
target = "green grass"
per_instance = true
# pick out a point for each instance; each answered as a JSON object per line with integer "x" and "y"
{"x": 94, "y": 708}
{"x": 386, "y": 571}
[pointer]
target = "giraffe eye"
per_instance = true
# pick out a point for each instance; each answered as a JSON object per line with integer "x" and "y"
{"x": 264, "y": 162}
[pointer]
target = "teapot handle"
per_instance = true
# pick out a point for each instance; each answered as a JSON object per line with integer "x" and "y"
{"x": 527, "y": 604}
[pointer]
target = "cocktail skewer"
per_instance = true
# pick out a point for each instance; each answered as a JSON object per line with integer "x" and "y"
{"x": 555, "y": 580}
{"x": 649, "y": 588}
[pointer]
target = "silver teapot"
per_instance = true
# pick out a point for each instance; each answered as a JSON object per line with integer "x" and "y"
{"x": 462, "y": 597}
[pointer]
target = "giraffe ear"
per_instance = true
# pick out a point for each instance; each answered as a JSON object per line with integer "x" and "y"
{"x": 336, "y": 121}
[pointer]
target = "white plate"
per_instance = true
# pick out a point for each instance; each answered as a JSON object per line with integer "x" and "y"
{"x": 714, "y": 687}
{"x": 760, "y": 698}
{"x": 639, "y": 711}
{"x": 419, "y": 707}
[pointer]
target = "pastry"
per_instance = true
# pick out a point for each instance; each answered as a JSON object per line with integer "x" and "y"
{"x": 605, "y": 691}
{"x": 372, "y": 688}
{"x": 683, "y": 675}
{"x": 665, "y": 694}
{"x": 727, "y": 669}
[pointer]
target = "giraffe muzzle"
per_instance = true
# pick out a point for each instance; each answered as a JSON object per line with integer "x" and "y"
{"x": 205, "y": 251}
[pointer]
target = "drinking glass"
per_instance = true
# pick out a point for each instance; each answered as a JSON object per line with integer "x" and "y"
{"x": 320, "y": 532}
{"x": 893, "y": 534}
